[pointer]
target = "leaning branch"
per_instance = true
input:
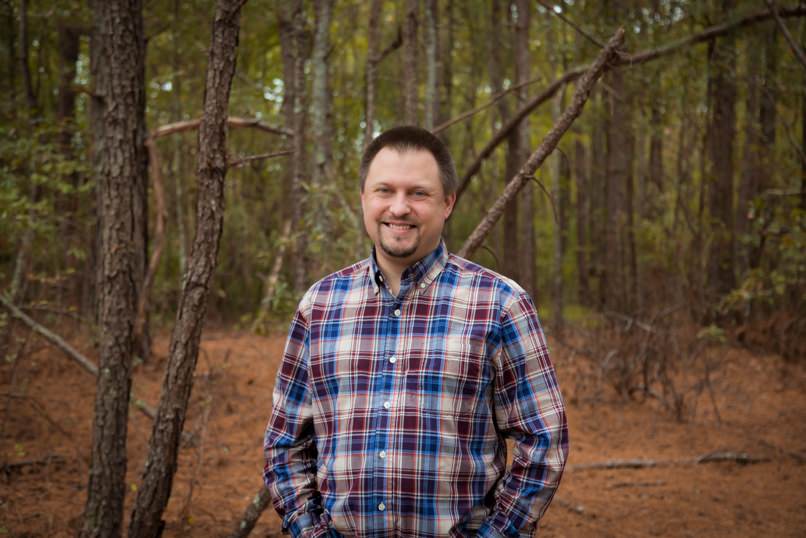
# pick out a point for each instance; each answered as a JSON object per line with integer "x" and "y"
{"x": 796, "y": 50}
{"x": 68, "y": 350}
{"x": 626, "y": 60}
{"x": 547, "y": 146}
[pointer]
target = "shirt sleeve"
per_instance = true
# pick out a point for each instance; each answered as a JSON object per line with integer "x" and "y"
{"x": 289, "y": 445}
{"x": 529, "y": 409}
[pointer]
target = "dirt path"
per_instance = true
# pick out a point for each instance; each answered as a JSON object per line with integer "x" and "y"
{"x": 761, "y": 401}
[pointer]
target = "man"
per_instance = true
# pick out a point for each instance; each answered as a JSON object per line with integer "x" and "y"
{"x": 405, "y": 373}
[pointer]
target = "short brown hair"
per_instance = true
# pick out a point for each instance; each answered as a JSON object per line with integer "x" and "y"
{"x": 409, "y": 137}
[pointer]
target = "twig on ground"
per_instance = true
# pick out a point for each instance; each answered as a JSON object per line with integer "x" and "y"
{"x": 712, "y": 457}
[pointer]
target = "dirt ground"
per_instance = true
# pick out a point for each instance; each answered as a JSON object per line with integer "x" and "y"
{"x": 46, "y": 404}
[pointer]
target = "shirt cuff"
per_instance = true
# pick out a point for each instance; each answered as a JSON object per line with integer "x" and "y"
{"x": 488, "y": 531}
{"x": 301, "y": 525}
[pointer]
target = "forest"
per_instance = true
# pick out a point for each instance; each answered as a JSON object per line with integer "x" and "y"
{"x": 175, "y": 174}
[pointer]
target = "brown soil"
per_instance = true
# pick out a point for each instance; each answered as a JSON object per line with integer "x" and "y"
{"x": 46, "y": 416}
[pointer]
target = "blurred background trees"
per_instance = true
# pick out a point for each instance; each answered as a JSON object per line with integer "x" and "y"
{"x": 681, "y": 185}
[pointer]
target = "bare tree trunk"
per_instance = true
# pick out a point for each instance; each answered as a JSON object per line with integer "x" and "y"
{"x": 410, "y": 63}
{"x": 161, "y": 463}
{"x": 371, "y": 69}
{"x": 30, "y": 94}
{"x": 559, "y": 176}
{"x": 432, "y": 62}
{"x": 582, "y": 213}
{"x": 528, "y": 269}
{"x": 320, "y": 126}
{"x": 751, "y": 171}
{"x": 446, "y": 77}
{"x": 118, "y": 67}
{"x": 722, "y": 133}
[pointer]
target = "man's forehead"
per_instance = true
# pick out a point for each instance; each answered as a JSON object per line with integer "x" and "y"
{"x": 403, "y": 158}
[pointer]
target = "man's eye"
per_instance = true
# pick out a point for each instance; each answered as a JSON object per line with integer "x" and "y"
{"x": 420, "y": 194}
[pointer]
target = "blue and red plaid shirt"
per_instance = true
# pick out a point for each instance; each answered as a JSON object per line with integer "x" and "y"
{"x": 390, "y": 413}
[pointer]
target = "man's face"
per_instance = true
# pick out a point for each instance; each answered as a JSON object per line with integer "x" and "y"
{"x": 404, "y": 205}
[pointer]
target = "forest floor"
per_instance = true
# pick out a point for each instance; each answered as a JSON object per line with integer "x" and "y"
{"x": 758, "y": 408}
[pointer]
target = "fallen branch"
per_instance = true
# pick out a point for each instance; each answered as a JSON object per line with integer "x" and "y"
{"x": 69, "y": 350}
{"x": 623, "y": 60}
{"x": 712, "y": 457}
{"x": 8, "y": 468}
{"x": 547, "y": 146}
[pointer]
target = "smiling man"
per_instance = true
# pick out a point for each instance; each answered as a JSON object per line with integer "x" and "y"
{"x": 405, "y": 373}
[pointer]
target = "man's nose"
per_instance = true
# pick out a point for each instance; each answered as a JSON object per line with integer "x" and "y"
{"x": 399, "y": 206}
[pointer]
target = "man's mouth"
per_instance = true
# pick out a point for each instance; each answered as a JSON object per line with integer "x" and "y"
{"x": 399, "y": 226}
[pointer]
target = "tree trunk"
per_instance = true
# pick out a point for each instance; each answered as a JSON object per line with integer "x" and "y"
{"x": 528, "y": 272}
{"x": 722, "y": 133}
{"x": 582, "y": 213}
{"x": 371, "y": 69}
{"x": 161, "y": 463}
{"x": 117, "y": 64}
{"x": 751, "y": 171}
{"x": 410, "y": 62}
{"x": 432, "y": 62}
{"x": 30, "y": 94}
{"x": 321, "y": 128}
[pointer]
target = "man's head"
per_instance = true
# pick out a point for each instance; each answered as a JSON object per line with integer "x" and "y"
{"x": 408, "y": 188}
{"x": 408, "y": 138}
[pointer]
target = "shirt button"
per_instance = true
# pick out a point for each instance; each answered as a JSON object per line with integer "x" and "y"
{"x": 381, "y": 507}
{"x": 422, "y": 285}
{"x": 382, "y": 454}
{"x": 397, "y": 312}
{"x": 387, "y": 404}
{"x": 393, "y": 359}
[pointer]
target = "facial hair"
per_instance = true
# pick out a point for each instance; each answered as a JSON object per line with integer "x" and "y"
{"x": 397, "y": 252}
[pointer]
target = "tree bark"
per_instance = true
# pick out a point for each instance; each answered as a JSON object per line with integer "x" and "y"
{"x": 321, "y": 128}
{"x": 722, "y": 133}
{"x": 30, "y": 94}
{"x": 751, "y": 171}
{"x": 117, "y": 64}
{"x": 155, "y": 490}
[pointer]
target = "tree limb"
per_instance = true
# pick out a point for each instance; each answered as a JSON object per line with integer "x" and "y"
{"x": 627, "y": 60}
{"x": 232, "y": 121}
{"x": 796, "y": 50}
{"x": 547, "y": 146}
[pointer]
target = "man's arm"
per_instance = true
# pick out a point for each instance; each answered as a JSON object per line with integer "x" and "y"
{"x": 528, "y": 409}
{"x": 288, "y": 446}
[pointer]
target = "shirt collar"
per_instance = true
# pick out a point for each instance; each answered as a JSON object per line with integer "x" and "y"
{"x": 421, "y": 273}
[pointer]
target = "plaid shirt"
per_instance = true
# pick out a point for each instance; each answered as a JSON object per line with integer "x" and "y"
{"x": 390, "y": 414}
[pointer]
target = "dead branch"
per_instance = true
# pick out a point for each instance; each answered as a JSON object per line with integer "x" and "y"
{"x": 712, "y": 457}
{"x": 796, "y": 50}
{"x": 70, "y": 351}
{"x": 624, "y": 60}
{"x": 9, "y": 467}
{"x": 547, "y": 146}
{"x": 495, "y": 98}
{"x": 571, "y": 23}
{"x": 259, "y": 157}
{"x": 232, "y": 121}
{"x": 252, "y": 514}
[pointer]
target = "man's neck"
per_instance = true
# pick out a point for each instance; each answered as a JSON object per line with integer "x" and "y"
{"x": 392, "y": 273}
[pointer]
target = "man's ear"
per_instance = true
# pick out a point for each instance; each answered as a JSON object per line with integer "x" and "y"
{"x": 450, "y": 201}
